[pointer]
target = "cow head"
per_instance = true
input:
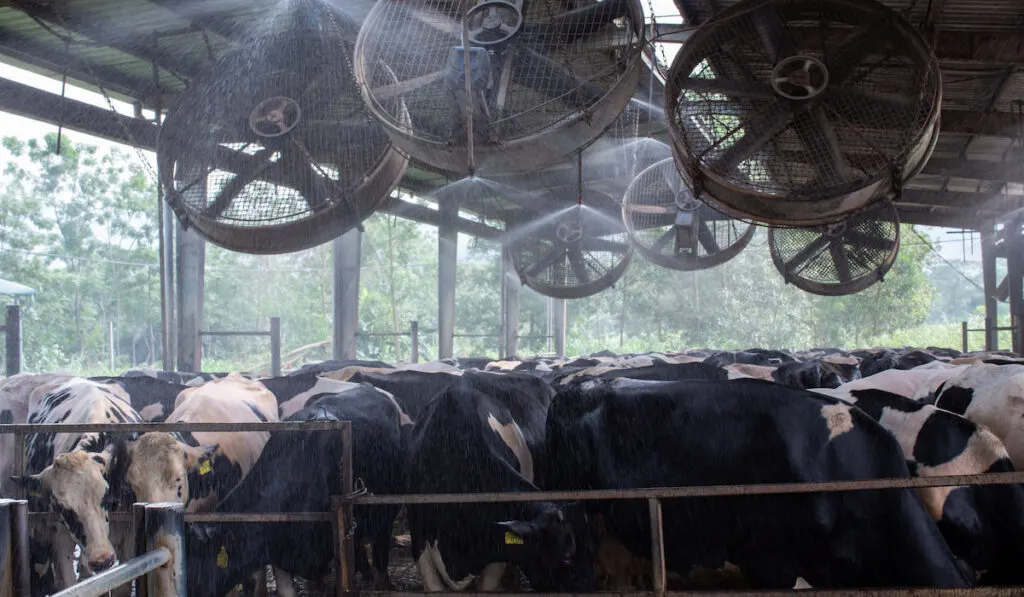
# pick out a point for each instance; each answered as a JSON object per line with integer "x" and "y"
{"x": 161, "y": 467}
{"x": 83, "y": 487}
{"x": 553, "y": 547}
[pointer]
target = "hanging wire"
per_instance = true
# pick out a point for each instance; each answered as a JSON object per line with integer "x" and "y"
{"x": 931, "y": 248}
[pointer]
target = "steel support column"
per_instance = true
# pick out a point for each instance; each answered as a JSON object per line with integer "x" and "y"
{"x": 1015, "y": 279}
{"x": 447, "y": 256}
{"x": 347, "y": 254}
{"x": 168, "y": 322}
{"x": 191, "y": 253}
{"x": 510, "y": 307}
{"x": 558, "y": 307}
{"x": 988, "y": 273}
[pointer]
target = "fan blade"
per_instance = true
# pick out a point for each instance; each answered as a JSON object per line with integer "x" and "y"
{"x": 844, "y": 60}
{"x": 771, "y": 31}
{"x": 756, "y": 134}
{"x": 707, "y": 239}
{"x": 851, "y": 105}
{"x": 835, "y": 248}
{"x": 601, "y": 244}
{"x": 555, "y": 254}
{"x": 729, "y": 87}
{"x": 664, "y": 239}
{"x": 299, "y": 173}
{"x": 401, "y": 88}
{"x": 552, "y": 80}
{"x": 579, "y": 266}
{"x": 651, "y": 209}
{"x": 806, "y": 254}
{"x": 570, "y": 26}
{"x": 822, "y": 145}
{"x": 441, "y": 22}
{"x": 672, "y": 179}
{"x": 869, "y": 241}
{"x": 257, "y": 164}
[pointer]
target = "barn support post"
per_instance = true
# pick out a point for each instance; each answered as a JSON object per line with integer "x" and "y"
{"x": 447, "y": 256}
{"x": 414, "y": 339}
{"x": 139, "y": 543}
{"x": 510, "y": 299}
{"x": 347, "y": 254}
{"x": 168, "y": 324}
{"x": 275, "y": 346}
{"x": 657, "y": 546}
{"x": 1015, "y": 279}
{"x": 988, "y": 274}
{"x": 165, "y": 528}
{"x": 6, "y": 559}
{"x": 22, "y": 564}
{"x": 12, "y": 339}
{"x": 191, "y": 253}
{"x": 342, "y": 506}
{"x": 558, "y": 307}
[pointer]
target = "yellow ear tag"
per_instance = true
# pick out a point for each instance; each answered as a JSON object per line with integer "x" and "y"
{"x": 512, "y": 538}
{"x": 204, "y": 467}
{"x": 35, "y": 494}
{"x": 222, "y": 558}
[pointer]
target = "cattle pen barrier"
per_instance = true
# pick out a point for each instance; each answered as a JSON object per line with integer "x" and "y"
{"x": 654, "y": 497}
{"x": 12, "y": 568}
{"x": 275, "y": 343}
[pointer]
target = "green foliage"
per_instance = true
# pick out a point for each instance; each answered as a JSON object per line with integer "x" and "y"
{"x": 80, "y": 228}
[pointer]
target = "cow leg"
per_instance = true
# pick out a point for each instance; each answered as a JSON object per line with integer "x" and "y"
{"x": 261, "y": 583}
{"x": 285, "y": 583}
{"x": 490, "y": 578}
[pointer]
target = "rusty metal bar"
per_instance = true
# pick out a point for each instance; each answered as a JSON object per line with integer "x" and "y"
{"x": 138, "y": 519}
{"x": 657, "y": 546}
{"x": 165, "y": 531}
{"x": 6, "y": 559}
{"x": 19, "y": 463}
{"x": 218, "y": 517}
{"x": 343, "y": 509}
{"x": 697, "y": 490}
{"x": 253, "y": 333}
{"x": 21, "y": 579}
{"x": 172, "y": 427}
{"x": 963, "y": 334}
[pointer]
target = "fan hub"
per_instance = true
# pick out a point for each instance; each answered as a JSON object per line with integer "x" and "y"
{"x": 799, "y": 77}
{"x": 275, "y": 116}
{"x": 493, "y": 22}
{"x": 685, "y": 201}
{"x": 836, "y": 230}
{"x": 569, "y": 232}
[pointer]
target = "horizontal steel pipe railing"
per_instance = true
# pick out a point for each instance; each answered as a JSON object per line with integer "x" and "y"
{"x": 696, "y": 491}
{"x": 174, "y": 427}
{"x": 897, "y": 592}
{"x": 108, "y": 580}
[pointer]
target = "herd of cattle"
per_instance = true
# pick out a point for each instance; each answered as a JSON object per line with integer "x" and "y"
{"x": 599, "y": 422}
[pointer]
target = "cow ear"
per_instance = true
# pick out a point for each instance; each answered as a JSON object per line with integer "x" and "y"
{"x": 31, "y": 483}
{"x": 194, "y": 457}
{"x": 517, "y": 529}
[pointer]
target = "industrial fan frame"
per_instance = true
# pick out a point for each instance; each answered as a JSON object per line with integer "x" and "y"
{"x": 272, "y": 238}
{"x": 573, "y": 292}
{"x": 518, "y": 156}
{"x": 781, "y": 210}
{"x": 683, "y": 262}
{"x": 843, "y": 288}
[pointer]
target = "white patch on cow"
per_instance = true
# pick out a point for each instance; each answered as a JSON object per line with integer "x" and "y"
{"x": 323, "y": 385}
{"x": 744, "y": 371}
{"x": 838, "y": 359}
{"x": 997, "y": 403}
{"x": 638, "y": 361}
{"x": 151, "y": 411}
{"x": 982, "y": 451}
{"x": 904, "y": 426}
{"x": 403, "y": 419}
{"x": 502, "y": 365}
{"x": 490, "y": 578}
{"x": 838, "y": 419}
{"x": 802, "y": 584}
{"x": 588, "y": 372}
{"x": 434, "y": 574}
{"x": 285, "y": 584}
{"x": 513, "y": 437}
{"x": 430, "y": 367}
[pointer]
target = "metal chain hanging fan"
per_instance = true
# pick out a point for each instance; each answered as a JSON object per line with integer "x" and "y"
{"x": 545, "y": 77}
{"x": 797, "y": 112}
{"x": 671, "y": 228}
{"x": 272, "y": 150}
{"x": 840, "y": 258}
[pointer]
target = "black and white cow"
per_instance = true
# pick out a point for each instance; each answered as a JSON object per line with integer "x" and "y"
{"x": 483, "y": 434}
{"x": 152, "y": 397}
{"x": 298, "y": 472}
{"x": 983, "y": 524}
{"x": 412, "y": 389}
{"x": 81, "y": 476}
{"x": 829, "y": 371}
{"x": 748, "y": 431}
{"x": 296, "y": 392}
{"x": 336, "y": 365}
{"x": 16, "y": 393}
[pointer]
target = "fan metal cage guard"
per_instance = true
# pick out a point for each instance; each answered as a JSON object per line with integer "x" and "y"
{"x": 797, "y": 112}
{"x": 671, "y": 228}
{"x": 573, "y": 253}
{"x": 840, "y": 258}
{"x": 546, "y": 77}
{"x": 272, "y": 149}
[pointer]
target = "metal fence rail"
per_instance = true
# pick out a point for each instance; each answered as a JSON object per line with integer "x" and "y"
{"x": 275, "y": 342}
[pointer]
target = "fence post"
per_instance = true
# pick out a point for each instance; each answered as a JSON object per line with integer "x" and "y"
{"x": 657, "y": 546}
{"x": 12, "y": 339}
{"x": 6, "y": 559}
{"x": 991, "y": 334}
{"x": 414, "y": 334}
{"x": 963, "y": 335}
{"x": 344, "y": 559}
{"x": 165, "y": 527}
{"x": 275, "y": 346}
{"x": 21, "y": 570}
{"x": 139, "y": 543}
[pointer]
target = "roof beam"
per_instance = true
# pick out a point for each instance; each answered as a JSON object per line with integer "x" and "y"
{"x": 1006, "y": 171}
{"x": 982, "y": 204}
{"x": 993, "y": 124}
{"x": 425, "y": 215}
{"x": 47, "y": 107}
{"x": 923, "y": 216}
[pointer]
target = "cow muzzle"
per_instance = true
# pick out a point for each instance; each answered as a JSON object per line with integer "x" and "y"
{"x": 102, "y": 563}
